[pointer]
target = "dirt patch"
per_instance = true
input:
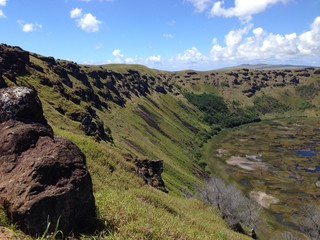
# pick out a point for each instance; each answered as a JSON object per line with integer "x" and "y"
{"x": 7, "y": 234}
{"x": 263, "y": 199}
{"x": 244, "y": 163}
{"x": 186, "y": 124}
{"x": 134, "y": 146}
{"x": 243, "y": 139}
{"x": 220, "y": 152}
{"x": 150, "y": 119}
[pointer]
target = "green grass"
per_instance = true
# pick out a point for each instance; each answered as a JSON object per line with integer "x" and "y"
{"x": 128, "y": 208}
{"x": 171, "y": 129}
{"x": 131, "y": 210}
{"x": 141, "y": 214}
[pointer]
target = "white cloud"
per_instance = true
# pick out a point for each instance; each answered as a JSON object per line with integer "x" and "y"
{"x": 117, "y": 53}
{"x": 2, "y": 4}
{"x": 119, "y": 57}
{"x": 75, "y": 13}
{"x": 2, "y": 14}
{"x": 243, "y": 44}
{"x": 200, "y": 5}
{"x": 243, "y": 9}
{"x": 168, "y": 35}
{"x": 154, "y": 59}
{"x": 89, "y": 23}
{"x": 86, "y": 21}
{"x": 192, "y": 55}
{"x": 258, "y": 31}
{"x": 309, "y": 42}
{"x": 29, "y": 27}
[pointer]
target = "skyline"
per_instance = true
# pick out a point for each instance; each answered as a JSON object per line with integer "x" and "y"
{"x": 167, "y": 34}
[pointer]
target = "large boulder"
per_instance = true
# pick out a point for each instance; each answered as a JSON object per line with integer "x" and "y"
{"x": 20, "y": 103}
{"x": 42, "y": 178}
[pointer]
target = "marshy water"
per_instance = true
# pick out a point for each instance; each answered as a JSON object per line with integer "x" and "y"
{"x": 280, "y": 158}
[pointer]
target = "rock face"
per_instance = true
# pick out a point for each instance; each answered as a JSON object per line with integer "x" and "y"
{"x": 2, "y": 82}
{"x": 150, "y": 171}
{"x": 13, "y": 59}
{"x": 20, "y": 104}
{"x": 41, "y": 176}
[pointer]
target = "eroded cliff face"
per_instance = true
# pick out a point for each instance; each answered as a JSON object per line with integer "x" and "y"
{"x": 42, "y": 177}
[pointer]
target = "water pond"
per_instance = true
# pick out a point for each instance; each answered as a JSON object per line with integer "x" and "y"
{"x": 278, "y": 157}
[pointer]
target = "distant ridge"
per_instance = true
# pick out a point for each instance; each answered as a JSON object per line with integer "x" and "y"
{"x": 266, "y": 66}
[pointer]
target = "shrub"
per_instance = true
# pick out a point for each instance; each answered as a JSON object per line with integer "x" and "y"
{"x": 232, "y": 205}
{"x": 217, "y": 113}
{"x": 307, "y": 91}
{"x": 268, "y": 104}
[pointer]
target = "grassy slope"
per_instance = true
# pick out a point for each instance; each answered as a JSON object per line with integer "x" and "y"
{"x": 129, "y": 208}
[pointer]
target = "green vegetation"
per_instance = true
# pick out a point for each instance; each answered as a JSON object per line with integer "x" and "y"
{"x": 307, "y": 91}
{"x": 54, "y": 235}
{"x": 158, "y": 126}
{"x": 148, "y": 116}
{"x": 216, "y": 111}
{"x": 268, "y": 104}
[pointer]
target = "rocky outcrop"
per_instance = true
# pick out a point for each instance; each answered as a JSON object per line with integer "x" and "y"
{"x": 42, "y": 177}
{"x": 13, "y": 59}
{"x": 20, "y": 104}
{"x": 150, "y": 171}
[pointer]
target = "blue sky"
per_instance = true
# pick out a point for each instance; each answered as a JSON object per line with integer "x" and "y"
{"x": 166, "y": 34}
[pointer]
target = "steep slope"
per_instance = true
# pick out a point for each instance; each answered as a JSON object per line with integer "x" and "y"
{"x": 137, "y": 104}
{"x": 118, "y": 116}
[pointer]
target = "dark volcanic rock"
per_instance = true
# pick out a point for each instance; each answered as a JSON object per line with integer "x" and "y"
{"x": 150, "y": 171}
{"x": 13, "y": 58}
{"x": 74, "y": 70}
{"x": 49, "y": 60}
{"x": 93, "y": 126}
{"x": 45, "y": 81}
{"x": 294, "y": 80}
{"x": 3, "y": 84}
{"x": 317, "y": 71}
{"x": 161, "y": 89}
{"x": 62, "y": 73}
{"x": 41, "y": 176}
{"x": 21, "y": 104}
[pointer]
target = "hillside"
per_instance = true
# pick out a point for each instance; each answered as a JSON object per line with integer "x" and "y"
{"x": 121, "y": 115}
{"x": 267, "y": 66}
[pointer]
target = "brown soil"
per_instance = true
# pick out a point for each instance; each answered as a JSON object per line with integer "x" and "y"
{"x": 263, "y": 199}
{"x": 246, "y": 164}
